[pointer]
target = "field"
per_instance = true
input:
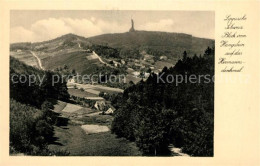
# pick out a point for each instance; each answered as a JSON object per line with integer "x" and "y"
{"x": 91, "y": 90}
{"x": 71, "y": 108}
{"x": 80, "y": 93}
{"x": 86, "y": 134}
{"x": 26, "y": 57}
{"x": 73, "y": 139}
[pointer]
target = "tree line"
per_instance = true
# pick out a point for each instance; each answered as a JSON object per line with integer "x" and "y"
{"x": 156, "y": 114}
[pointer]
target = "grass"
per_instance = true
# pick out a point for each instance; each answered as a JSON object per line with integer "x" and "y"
{"x": 90, "y": 129}
{"x": 73, "y": 139}
{"x": 71, "y": 108}
{"x": 59, "y": 106}
{"x": 80, "y": 93}
{"x": 74, "y": 60}
{"x": 99, "y": 119}
{"x": 26, "y": 57}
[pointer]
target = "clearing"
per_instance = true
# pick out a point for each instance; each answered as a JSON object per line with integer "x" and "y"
{"x": 89, "y": 129}
{"x": 84, "y": 132}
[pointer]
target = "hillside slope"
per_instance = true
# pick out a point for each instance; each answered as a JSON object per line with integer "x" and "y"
{"x": 31, "y": 99}
{"x": 170, "y": 44}
{"x": 138, "y": 50}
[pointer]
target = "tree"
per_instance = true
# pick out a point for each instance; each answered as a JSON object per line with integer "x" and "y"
{"x": 149, "y": 70}
{"x": 101, "y": 94}
{"x": 184, "y": 56}
{"x": 65, "y": 67}
{"x": 155, "y": 114}
{"x": 47, "y": 105}
{"x": 142, "y": 74}
{"x": 73, "y": 72}
{"x": 131, "y": 83}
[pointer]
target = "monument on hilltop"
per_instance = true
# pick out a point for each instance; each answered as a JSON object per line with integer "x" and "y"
{"x": 132, "y": 29}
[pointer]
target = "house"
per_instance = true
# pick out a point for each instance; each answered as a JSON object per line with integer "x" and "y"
{"x": 71, "y": 80}
{"x": 110, "y": 110}
{"x": 138, "y": 65}
{"x": 148, "y": 57}
{"x": 122, "y": 61}
{"x": 163, "y": 57}
{"x": 89, "y": 51}
{"x": 100, "y": 105}
{"x": 146, "y": 75}
{"x": 136, "y": 73}
{"x": 116, "y": 64}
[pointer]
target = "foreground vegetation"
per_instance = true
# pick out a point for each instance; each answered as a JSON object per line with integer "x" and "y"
{"x": 31, "y": 118}
{"x": 73, "y": 139}
{"x": 155, "y": 114}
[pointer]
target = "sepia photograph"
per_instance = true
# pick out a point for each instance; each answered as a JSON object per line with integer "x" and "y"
{"x": 112, "y": 83}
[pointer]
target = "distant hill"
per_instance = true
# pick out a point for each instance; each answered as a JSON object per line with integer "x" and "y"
{"x": 57, "y": 44}
{"x": 160, "y": 43}
{"x": 153, "y": 42}
{"x": 65, "y": 50}
{"x": 139, "y": 50}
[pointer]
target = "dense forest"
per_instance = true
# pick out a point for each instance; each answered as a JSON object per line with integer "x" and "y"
{"x": 156, "y": 114}
{"x": 31, "y": 118}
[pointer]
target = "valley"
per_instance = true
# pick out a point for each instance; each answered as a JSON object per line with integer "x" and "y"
{"x": 84, "y": 133}
{"x": 136, "y": 117}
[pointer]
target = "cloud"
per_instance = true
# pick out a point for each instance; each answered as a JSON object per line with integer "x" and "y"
{"x": 51, "y": 28}
{"x": 161, "y": 25}
{"x": 20, "y": 34}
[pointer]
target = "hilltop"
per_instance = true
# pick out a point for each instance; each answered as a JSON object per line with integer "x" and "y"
{"x": 155, "y": 42}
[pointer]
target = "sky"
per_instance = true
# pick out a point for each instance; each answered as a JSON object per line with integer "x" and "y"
{"x": 42, "y": 25}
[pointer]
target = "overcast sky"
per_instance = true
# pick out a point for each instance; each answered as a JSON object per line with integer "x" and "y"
{"x": 42, "y": 25}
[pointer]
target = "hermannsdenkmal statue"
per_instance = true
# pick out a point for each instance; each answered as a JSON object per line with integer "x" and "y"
{"x": 132, "y": 29}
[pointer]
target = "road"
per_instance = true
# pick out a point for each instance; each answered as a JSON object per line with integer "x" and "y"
{"x": 99, "y": 58}
{"x": 79, "y": 45}
{"x": 38, "y": 59}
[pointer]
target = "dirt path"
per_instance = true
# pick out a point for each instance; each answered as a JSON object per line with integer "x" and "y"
{"x": 177, "y": 151}
{"x": 79, "y": 45}
{"x": 99, "y": 58}
{"x": 38, "y": 59}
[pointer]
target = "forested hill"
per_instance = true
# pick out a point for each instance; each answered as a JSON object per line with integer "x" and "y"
{"x": 155, "y": 114}
{"x": 36, "y": 92}
{"x": 31, "y": 118}
{"x": 154, "y": 42}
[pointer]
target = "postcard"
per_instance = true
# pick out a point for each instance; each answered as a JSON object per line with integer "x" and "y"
{"x": 130, "y": 83}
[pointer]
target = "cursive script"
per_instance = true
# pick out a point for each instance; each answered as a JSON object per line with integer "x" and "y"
{"x": 232, "y": 42}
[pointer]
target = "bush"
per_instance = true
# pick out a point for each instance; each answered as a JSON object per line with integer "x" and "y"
{"x": 29, "y": 128}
